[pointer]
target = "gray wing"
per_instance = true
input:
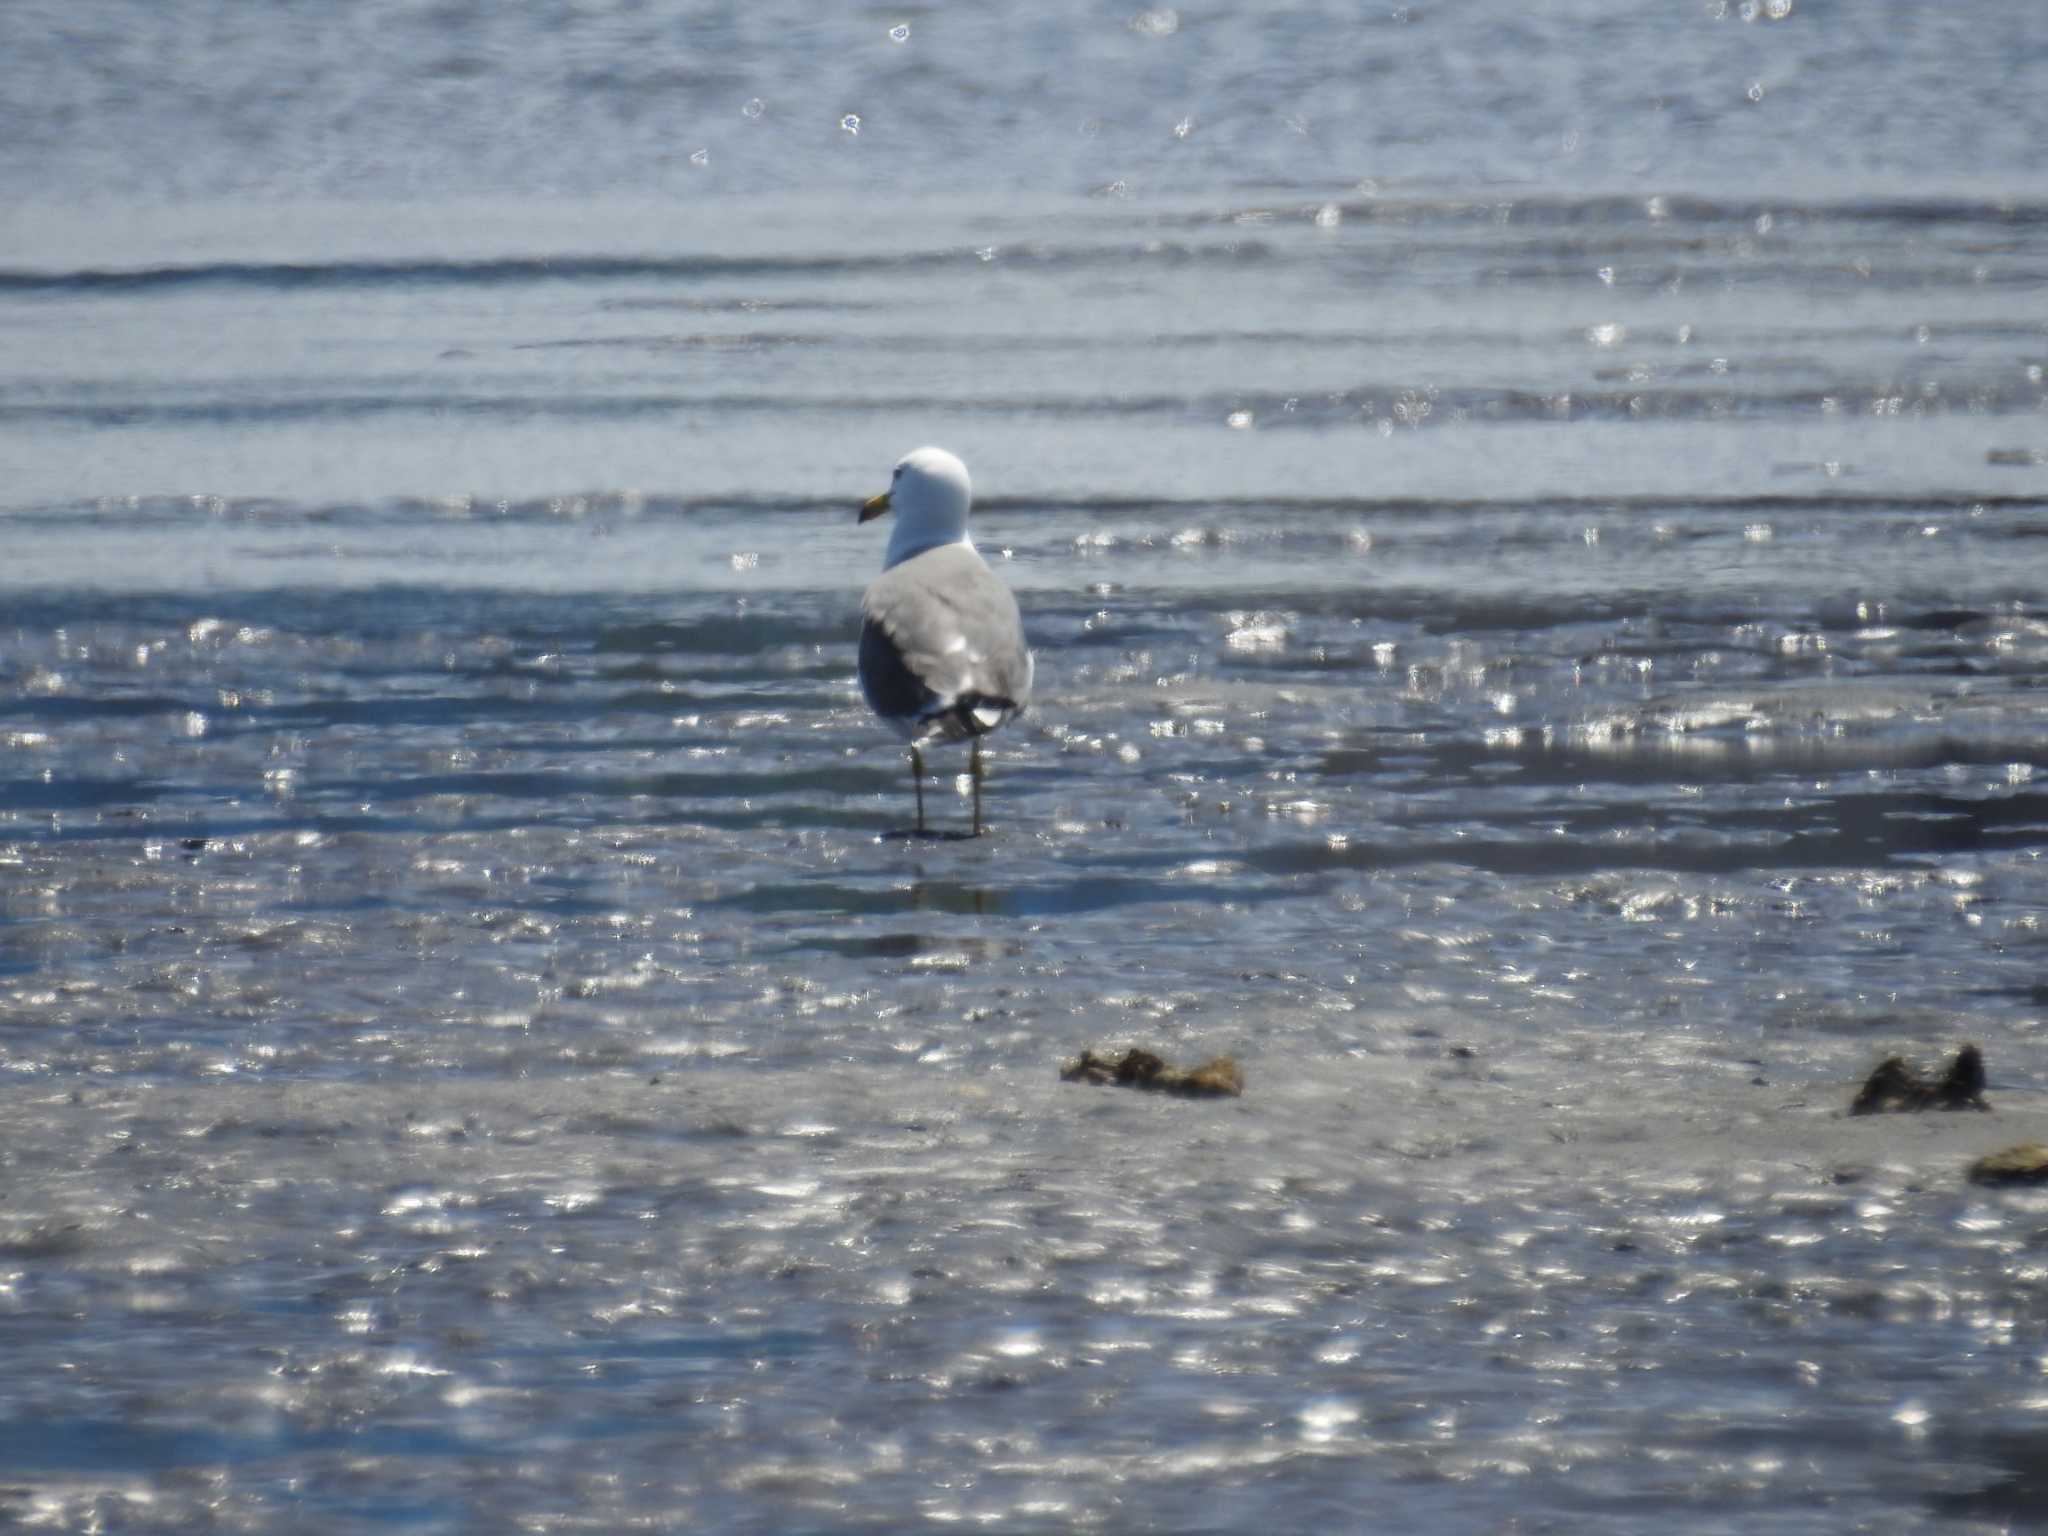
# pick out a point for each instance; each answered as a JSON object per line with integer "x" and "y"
{"x": 942, "y": 649}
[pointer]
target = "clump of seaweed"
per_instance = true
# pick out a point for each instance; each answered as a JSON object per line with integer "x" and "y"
{"x": 2026, "y": 1163}
{"x": 1217, "y": 1078}
{"x": 1895, "y": 1088}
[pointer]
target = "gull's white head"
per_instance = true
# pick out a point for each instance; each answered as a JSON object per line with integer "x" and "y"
{"x": 929, "y": 494}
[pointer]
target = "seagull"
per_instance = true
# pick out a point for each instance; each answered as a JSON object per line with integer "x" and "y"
{"x": 942, "y": 652}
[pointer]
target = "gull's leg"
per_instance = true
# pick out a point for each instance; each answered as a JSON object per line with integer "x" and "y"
{"x": 917, "y": 784}
{"x": 974, "y": 772}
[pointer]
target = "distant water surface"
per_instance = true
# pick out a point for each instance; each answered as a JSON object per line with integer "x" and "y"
{"x": 1532, "y": 529}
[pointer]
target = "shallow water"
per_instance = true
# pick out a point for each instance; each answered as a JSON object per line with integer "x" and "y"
{"x": 1540, "y": 656}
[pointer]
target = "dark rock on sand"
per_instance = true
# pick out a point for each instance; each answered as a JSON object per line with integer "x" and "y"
{"x": 1219, "y": 1077}
{"x": 1896, "y": 1088}
{"x": 2026, "y": 1163}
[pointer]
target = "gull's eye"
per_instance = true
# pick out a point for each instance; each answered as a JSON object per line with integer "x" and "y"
{"x": 897, "y": 473}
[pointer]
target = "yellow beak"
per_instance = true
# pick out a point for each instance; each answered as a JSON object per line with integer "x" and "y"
{"x": 874, "y": 506}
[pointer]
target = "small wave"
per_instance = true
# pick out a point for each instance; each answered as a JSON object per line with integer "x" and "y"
{"x": 497, "y": 271}
{"x": 1222, "y": 519}
{"x": 1370, "y": 409}
{"x": 290, "y": 276}
{"x": 1604, "y": 212}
